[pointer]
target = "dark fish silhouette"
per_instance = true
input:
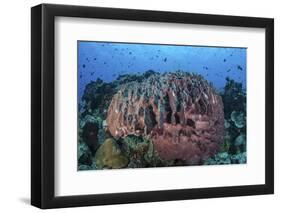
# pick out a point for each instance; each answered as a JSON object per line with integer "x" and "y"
{"x": 165, "y": 59}
{"x": 224, "y": 60}
{"x": 84, "y": 65}
{"x": 228, "y": 70}
{"x": 239, "y": 67}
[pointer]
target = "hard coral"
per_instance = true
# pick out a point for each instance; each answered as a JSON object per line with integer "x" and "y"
{"x": 109, "y": 156}
{"x": 139, "y": 150}
{"x": 90, "y": 135}
{"x": 180, "y": 112}
{"x": 238, "y": 118}
{"x": 97, "y": 96}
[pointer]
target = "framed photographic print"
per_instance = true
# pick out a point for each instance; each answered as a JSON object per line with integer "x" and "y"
{"x": 140, "y": 106}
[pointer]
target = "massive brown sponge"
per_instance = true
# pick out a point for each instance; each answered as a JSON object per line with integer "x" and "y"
{"x": 180, "y": 113}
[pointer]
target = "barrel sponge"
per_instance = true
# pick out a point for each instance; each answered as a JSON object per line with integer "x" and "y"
{"x": 180, "y": 112}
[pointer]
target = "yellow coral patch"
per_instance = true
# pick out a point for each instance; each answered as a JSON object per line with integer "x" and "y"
{"x": 109, "y": 155}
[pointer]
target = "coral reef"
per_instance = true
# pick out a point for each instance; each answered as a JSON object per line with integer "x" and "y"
{"x": 90, "y": 135}
{"x": 180, "y": 113}
{"x": 234, "y": 98}
{"x": 238, "y": 118}
{"x": 226, "y": 158}
{"x": 84, "y": 154}
{"x": 240, "y": 140}
{"x": 141, "y": 152}
{"x": 109, "y": 156}
{"x": 154, "y": 120}
{"x": 98, "y": 94}
{"x": 233, "y": 150}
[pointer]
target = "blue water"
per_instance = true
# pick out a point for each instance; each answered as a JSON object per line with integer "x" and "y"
{"x": 107, "y": 60}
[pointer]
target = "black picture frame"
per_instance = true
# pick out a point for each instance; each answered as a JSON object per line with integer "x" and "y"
{"x": 43, "y": 102}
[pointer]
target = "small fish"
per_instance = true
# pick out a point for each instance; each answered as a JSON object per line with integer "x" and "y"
{"x": 130, "y": 53}
{"x": 165, "y": 59}
{"x": 228, "y": 70}
{"x": 84, "y": 65}
{"x": 239, "y": 67}
{"x": 95, "y": 59}
{"x": 224, "y": 60}
{"x": 104, "y": 62}
{"x": 80, "y": 76}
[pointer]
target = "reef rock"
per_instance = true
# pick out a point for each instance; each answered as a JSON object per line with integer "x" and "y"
{"x": 181, "y": 113}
